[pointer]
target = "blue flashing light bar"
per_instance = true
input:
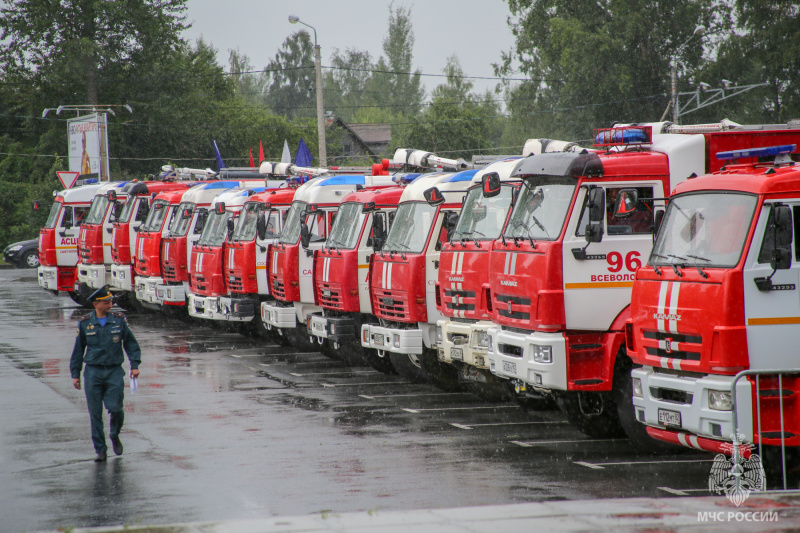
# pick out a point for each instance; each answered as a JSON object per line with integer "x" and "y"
{"x": 621, "y": 136}
{"x": 767, "y": 151}
{"x": 405, "y": 179}
{"x": 461, "y": 176}
{"x": 222, "y": 185}
{"x": 344, "y": 180}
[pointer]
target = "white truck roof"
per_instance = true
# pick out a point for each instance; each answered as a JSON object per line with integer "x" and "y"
{"x": 205, "y": 193}
{"x": 82, "y": 194}
{"x": 332, "y": 189}
{"x": 452, "y": 185}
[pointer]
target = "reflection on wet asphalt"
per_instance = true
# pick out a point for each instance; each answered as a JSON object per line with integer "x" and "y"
{"x": 225, "y": 426}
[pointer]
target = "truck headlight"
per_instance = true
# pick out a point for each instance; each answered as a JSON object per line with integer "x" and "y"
{"x": 480, "y": 339}
{"x": 489, "y": 343}
{"x": 542, "y": 354}
{"x": 637, "y": 388}
{"x": 94, "y": 274}
{"x": 719, "y": 400}
{"x": 396, "y": 340}
{"x": 439, "y": 335}
{"x": 14, "y": 248}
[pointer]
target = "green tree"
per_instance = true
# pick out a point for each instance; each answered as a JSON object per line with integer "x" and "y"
{"x": 78, "y": 40}
{"x": 591, "y": 63}
{"x": 399, "y": 88}
{"x": 249, "y": 85}
{"x": 291, "y": 78}
{"x": 346, "y": 83}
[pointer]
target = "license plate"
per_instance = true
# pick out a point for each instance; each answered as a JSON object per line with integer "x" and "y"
{"x": 509, "y": 367}
{"x": 316, "y": 326}
{"x": 456, "y": 353}
{"x": 669, "y": 418}
{"x": 377, "y": 338}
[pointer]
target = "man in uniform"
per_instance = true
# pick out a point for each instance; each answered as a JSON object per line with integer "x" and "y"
{"x": 101, "y": 337}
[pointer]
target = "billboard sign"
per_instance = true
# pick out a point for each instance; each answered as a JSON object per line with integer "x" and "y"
{"x": 88, "y": 146}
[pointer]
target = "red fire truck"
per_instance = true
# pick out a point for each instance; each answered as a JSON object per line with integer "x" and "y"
{"x": 564, "y": 265}
{"x": 341, "y": 284}
{"x": 168, "y": 291}
{"x": 207, "y": 281}
{"x": 258, "y": 226}
{"x": 94, "y": 239}
{"x": 404, "y": 273}
{"x": 715, "y": 311}
{"x": 290, "y": 262}
{"x": 58, "y": 241}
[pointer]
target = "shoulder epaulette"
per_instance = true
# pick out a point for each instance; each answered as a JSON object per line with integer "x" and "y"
{"x": 118, "y": 314}
{"x": 84, "y": 317}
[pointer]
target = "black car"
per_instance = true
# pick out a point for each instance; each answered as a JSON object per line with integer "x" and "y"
{"x": 23, "y": 254}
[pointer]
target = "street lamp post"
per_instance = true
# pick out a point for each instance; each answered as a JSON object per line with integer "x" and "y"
{"x": 699, "y": 30}
{"x": 323, "y": 151}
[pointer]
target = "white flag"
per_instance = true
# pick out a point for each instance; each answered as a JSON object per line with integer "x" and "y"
{"x": 286, "y": 157}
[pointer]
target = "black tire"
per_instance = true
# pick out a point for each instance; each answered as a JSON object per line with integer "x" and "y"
{"x": 623, "y": 397}
{"x": 491, "y": 390}
{"x": 593, "y": 413}
{"x": 409, "y": 367}
{"x": 299, "y": 339}
{"x": 348, "y": 353}
{"x": 79, "y": 299}
{"x": 129, "y": 302}
{"x": 443, "y": 375}
{"x": 30, "y": 259}
{"x": 381, "y": 364}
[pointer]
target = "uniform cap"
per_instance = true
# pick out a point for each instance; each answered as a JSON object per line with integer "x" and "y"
{"x": 100, "y": 295}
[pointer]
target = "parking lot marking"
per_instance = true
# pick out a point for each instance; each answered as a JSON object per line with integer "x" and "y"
{"x": 470, "y": 408}
{"x": 414, "y": 395}
{"x": 600, "y": 466}
{"x": 364, "y": 384}
{"x": 297, "y": 374}
{"x": 532, "y": 443}
{"x": 676, "y": 492}
{"x": 473, "y": 426}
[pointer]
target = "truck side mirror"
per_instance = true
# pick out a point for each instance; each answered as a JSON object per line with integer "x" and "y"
{"x": 450, "y": 222}
{"x": 378, "y": 231}
{"x": 36, "y": 205}
{"x": 231, "y": 225}
{"x": 117, "y": 209}
{"x": 657, "y": 220}
{"x": 780, "y": 249}
{"x": 433, "y": 196}
{"x": 219, "y": 208}
{"x": 261, "y": 226}
{"x": 112, "y": 196}
{"x": 625, "y": 205}
{"x": 491, "y": 184}
{"x": 597, "y": 204}
{"x": 305, "y": 236}
{"x": 594, "y": 233}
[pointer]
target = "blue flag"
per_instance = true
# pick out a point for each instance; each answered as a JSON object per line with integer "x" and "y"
{"x": 303, "y": 157}
{"x": 220, "y": 163}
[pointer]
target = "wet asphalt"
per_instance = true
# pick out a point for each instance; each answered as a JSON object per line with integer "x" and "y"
{"x": 225, "y": 426}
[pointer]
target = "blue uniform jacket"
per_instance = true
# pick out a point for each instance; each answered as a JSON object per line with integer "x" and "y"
{"x": 102, "y": 345}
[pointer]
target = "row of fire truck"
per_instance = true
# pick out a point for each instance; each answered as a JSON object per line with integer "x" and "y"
{"x": 534, "y": 277}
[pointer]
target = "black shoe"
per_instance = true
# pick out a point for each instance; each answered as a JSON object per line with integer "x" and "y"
{"x": 117, "y": 445}
{"x": 101, "y": 457}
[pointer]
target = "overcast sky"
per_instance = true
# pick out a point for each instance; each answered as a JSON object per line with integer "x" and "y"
{"x": 474, "y": 30}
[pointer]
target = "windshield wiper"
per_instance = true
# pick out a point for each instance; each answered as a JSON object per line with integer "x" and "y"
{"x": 676, "y": 265}
{"x": 536, "y": 220}
{"x": 700, "y": 270}
{"x": 530, "y": 237}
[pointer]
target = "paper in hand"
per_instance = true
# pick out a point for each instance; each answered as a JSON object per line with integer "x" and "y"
{"x": 133, "y": 385}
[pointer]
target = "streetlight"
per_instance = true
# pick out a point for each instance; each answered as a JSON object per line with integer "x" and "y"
{"x": 699, "y": 30}
{"x": 323, "y": 151}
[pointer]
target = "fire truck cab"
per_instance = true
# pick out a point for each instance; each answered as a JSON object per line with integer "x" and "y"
{"x": 715, "y": 311}
{"x": 58, "y": 240}
{"x": 207, "y": 283}
{"x": 566, "y": 262}
{"x": 341, "y": 282}
{"x": 290, "y": 261}
{"x": 94, "y": 240}
{"x": 169, "y": 287}
{"x": 257, "y": 227}
{"x": 404, "y": 273}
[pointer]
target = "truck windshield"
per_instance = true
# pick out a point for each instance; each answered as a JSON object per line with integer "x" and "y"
{"x": 483, "y": 218}
{"x": 55, "y": 209}
{"x": 127, "y": 209}
{"x": 180, "y": 223}
{"x": 291, "y": 229}
{"x": 246, "y": 225}
{"x": 155, "y": 219}
{"x": 411, "y": 226}
{"x": 347, "y": 226}
{"x": 98, "y": 210}
{"x": 541, "y": 208}
{"x": 216, "y": 229}
{"x": 704, "y": 229}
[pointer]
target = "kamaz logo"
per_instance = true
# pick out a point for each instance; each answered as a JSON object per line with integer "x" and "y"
{"x": 455, "y": 278}
{"x": 663, "y": 316}
{"x": 508, "y": 283}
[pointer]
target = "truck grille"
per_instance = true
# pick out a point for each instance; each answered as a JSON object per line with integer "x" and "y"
{"x": 391, "y": 305}
{"x": 235, "y": 282}
{"x": 278, "y": 290}
{"x": 672, "y": 395}
{"x": 668, "y": 342}
{"x": 170, "y": 273}
{"x": 508, "y": 305}
{"x": 330, "y": 295}
{"x": 457, "y": 300}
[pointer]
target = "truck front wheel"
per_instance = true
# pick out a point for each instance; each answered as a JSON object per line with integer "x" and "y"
{"x": 593, "y": 413}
